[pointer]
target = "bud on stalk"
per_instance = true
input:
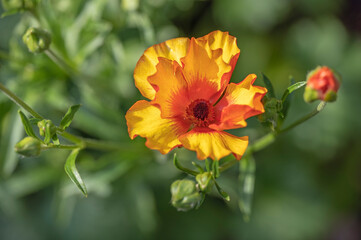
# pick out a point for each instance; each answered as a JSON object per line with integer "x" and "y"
{"x": 37, "y": 40}
{"x": 322, "y": 84}
{"x": 185, "y": 195}
{"x": 28, "y": 147}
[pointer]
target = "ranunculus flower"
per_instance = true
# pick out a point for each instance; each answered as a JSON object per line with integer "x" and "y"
{"x": 322, "y": 84}
{"x": 191, "y": 99}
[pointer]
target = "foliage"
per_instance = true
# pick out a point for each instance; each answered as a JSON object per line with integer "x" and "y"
{"x": 307, "y": 184}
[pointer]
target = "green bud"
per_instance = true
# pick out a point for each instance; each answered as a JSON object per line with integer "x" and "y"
{"x": 10, "y": 5}
{"x": 272, "y": 107}
{"x": 46, "y": 129}
{"x": 37, "y": 40}
{"x": 28, "y": 147}
{"x": 310, "y": 95}
{"x": 185, "y": 195}
{"x": 330, "y": 96}
{"x": 205, "y": 181}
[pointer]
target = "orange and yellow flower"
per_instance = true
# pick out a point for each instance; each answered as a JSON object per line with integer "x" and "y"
{"x": 191, "y": 99}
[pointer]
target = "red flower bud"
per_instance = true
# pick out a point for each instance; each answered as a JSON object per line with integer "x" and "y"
{"x": 322, "y": 84}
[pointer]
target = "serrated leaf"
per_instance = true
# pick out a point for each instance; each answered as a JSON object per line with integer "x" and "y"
{"x": 269, "y": 86}
{"x": 246, "y": 178}
{"x": 27, "y": 126}
{"x": 68, "y": 117}
{"x": 73, "y": 173}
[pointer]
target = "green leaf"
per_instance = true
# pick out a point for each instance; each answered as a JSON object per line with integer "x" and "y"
{"x": 9, "y": 136}
{"x": 68, "y": 117}
{"x": 269, "y": 86}
{"x": 55, "y": 139}
{"x": 246, "y": 177}
{"x": 34, "y": 120}
{"x": 11, "y": 12}
{"x": 198, "y": 166}
{"x": 224, "y": 195}
{"x": 27, "y": 126}
{"x": 207, "y": 165}
{"x": 292, "y": 88}
{"x": 73, "y": 173}
{"x": 215, "y": 168}
{"x": 287, "y": 97}
{"x": 180, "y": 167}
{"x": 48, "y": 135}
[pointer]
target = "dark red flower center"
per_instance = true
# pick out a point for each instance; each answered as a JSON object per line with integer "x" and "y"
{"x": 200, "y": 112}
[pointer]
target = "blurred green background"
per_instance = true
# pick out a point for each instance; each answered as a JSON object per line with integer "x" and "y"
{"x": 308, "y": 183}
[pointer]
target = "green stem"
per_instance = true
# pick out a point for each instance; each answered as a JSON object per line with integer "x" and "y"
{"x": 255, "y": 147}
{"x": 318, "y": 109}
{"x": 261, "y": 143}
{"x": 270, "y": 137}
{"x": 66, "y": 67}
{"x": 19, "y": 102}
{"x": 61, "y": 63}
{"x": 60, "y": 147}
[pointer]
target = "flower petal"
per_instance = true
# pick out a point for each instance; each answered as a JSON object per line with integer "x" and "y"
{"x": 214, "y": 144}
{"x": 221, "y": 40}
{"x": 144, "y": 119}
{"x": 201, "y": 70}
{"x": 173, "y": 49}
{"x": 210, "y": 59}
{"x": 223, "y": 48}
{"x": 171, "y": 88}
{"x": 240, "y": 101}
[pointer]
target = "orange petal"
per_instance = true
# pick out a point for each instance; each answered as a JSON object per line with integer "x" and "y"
{"x": 214, "y": 144}
{"x": 222, "y": 48}
{"x": 200, "y": 69}
{"x": 240, "y": 101}
{"x": 171, "y": 88}
{"x": 173, "y": 49}
{"x": 144, "y": 119}
{"x": 220, "y": 40}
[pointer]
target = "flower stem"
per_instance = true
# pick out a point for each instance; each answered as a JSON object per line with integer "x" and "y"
{"x": 255, "y": 147}
{"x": 19, "y": 102}
{"x": 60, "y": 147}
{"x": 318, "y": 109}
{"x": 60, "y": 62}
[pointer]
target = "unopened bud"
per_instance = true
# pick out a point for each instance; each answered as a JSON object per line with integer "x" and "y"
{"x": 272, "y": 107}
{"x": 46, "y": 129}
{"x": 322, "y": 84}
{"x": 205, "y": 181}
{"x": 28, "y": 147}
{"x": 185, "y": 195}
{"x": 37, "y": 40}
